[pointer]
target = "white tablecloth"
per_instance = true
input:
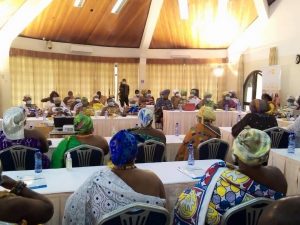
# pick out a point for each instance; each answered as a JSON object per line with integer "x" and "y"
{"x": 61, "y": 183}
{"x": 289, "y": 164}
{"x": 284, "y": 123}
{"x": 172, "y": 144}
{"x": 187, "y": 119}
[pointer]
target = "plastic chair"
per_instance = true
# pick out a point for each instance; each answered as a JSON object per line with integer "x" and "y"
{"x": 213, "y": 149}
{"x": 279, "y": 137}
{"x": 247, "y": 213}
{"x": 150, "y": 151}
{"x": 86, "y": 155}
{"x": 137, "y": 214}
{"x": 17, "y": 157}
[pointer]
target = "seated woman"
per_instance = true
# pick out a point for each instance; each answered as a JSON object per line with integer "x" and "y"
{"x": 257, "y": 119}
{"x": 22, "y": 205}
{"x": 59, "y": 109}
{"x": 272, "y": 108}
{"x": 147, "y": 132}
{"x": 222, "y": 188}
{"x": 112, "y": 108}
{"x": 84, "y": 128}
{"x": 111, "y": 188}
{"x": 31, "y": 109}
{"x": 207, "y": 101}
{"x": 14, "y": 133}
{"x": 176, "y": 99}
{"x": 86, "y": 108}
{"x": 203, "y": 131}
{"x": 226, "y": 102}
{"x": 96, "y": 103}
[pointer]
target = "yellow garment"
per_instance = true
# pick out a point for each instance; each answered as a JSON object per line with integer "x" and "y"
{"x": 273, "y": 109}
{"x": 88, "y": 111}
{"x": 97, "y": 106}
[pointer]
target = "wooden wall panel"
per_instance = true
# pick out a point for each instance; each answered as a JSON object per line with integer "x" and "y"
{"x": 94, "y": 24}
{"x": 206, "y": 28}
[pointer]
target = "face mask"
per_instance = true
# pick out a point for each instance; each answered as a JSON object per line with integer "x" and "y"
{"x": 208, "y": 99}
{"x": 96, "y": 99}
{"x": 161, "y": 96}
{"x": 111, "y": 104}
{"x": 177, "y": 95}
{"x": 289, "y": 104}
{"x": 77, "y": 100}
{"x": 192, "y": 95}
{"x": 28, "y": 102}
{"x": 227, "y": 98}
{"x": 137, "y": 95}
{"x": 148, "y": 95}
{"x": 123, "y": 82}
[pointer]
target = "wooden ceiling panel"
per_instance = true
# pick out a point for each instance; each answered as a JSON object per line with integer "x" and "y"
{"x": 209, "y": 26}
{"x": 93, "y": 24}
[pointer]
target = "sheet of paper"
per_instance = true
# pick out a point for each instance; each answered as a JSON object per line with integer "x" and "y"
{"x": 192, "y": 171}
{"x": 34, "y": 181}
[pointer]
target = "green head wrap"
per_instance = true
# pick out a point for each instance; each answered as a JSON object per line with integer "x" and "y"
{"x": 83, "y": 124}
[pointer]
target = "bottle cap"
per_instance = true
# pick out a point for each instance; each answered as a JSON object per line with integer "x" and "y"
{"x": 68, "y": 155}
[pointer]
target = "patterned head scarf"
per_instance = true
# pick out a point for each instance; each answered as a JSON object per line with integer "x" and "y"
{"x": 259, "y": 106}
{"x": 123, "y": 148}
{"x": 145, "y": 116}
{"x": 83, "y": 124}
{"x": 84, "y": 101}
{"x": 252, "y": 146}
{"x": 207, "y": 113}
{"x": 13, "y": 123}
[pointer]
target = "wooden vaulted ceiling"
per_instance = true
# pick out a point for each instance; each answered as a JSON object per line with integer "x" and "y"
{"x": 208, "y": 26}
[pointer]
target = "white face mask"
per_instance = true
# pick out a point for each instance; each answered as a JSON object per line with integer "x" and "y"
{"x": 192, "y": 94}
{"x": 208, "y": 99}
{"x": 77, "y": 100}
{"x": 28, "y": 102}
{"x": 227, "y": 98}
{"x": 177, "y": 94}
{"x": 96, "y": 99}
{"x": 148, "y": 95}
{"x": 111, "y": 104}
{"x": 123, "y": 82}
{"x": 137, "y": 95}
{"x": 289, "y": 104}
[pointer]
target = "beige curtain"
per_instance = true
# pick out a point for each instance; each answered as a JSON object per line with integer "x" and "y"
{"x": 37, "y": 74}
{"x": 184, "y": 77}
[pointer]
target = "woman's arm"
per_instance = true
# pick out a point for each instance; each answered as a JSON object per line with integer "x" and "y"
{"x": 29, "y": 205}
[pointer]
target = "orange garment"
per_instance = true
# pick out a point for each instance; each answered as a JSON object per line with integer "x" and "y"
{"x": 196, "y": 135}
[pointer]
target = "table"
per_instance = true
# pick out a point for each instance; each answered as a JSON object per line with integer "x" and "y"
{"x": 172, "y": 144}
{"x": 187, "y": 119}
{"x": 289, "y": 164}
{"x": 61, "y": 182}
{"x": 284, "y": 123}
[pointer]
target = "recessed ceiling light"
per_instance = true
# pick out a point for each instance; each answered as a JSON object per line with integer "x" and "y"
{"x": 183, "y": 9}
{"x": 118, "y": 6}
{"x": 78, "y": 3}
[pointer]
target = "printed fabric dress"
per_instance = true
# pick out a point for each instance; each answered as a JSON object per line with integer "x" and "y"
{"x": 203, "y": 205}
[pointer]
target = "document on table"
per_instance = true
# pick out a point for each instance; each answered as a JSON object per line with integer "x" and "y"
{"x": 191, "y": 171}
{"x": 34, "y": 181}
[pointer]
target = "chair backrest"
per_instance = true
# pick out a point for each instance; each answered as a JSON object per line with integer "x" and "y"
{"x": 279, "y": 137}
{"x": 213, "y": 149}
{"x": 17, "y": 157}
{"x": 247, "y": 213}
{"x": 137, "y": 214}
{"x": 150, "y": 151}
{"x": 86, "y": 155}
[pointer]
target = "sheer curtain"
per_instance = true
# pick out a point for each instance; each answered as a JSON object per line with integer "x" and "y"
{"x": 184, "y": 77}
{"x": 37, "y": 74}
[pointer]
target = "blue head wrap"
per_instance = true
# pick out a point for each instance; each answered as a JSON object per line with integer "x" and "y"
{"x": 145, "y": 116}
{"x": 123, "y": 148}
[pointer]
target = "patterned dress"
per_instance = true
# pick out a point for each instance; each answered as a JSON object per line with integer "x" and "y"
{"x": 230, "y": 189}
{"x": 29, "y": 142}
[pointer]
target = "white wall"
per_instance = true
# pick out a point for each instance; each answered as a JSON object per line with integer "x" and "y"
{"x": 281, "y": 30}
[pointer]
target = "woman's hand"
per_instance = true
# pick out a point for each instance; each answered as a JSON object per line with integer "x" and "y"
{"x": 7, "y": 182}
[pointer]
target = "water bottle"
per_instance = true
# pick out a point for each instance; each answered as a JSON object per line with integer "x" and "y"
{"x": 38, "y": 162}
{"x": 106, "y": 114}
{"x": 239, "y": 107}
{"x": 226, "y": 107}
{"x": 113, "y": 131}
{"x": 239, "y": 118}
{"x": 68, "y": 161}
{"x": 177, "y": 129}
{"x": 288, "y": 116}
{"x": 45, "y": 113}
{"x": 292, "y": 143}
{"x": 36, "y": 114}
{"x": 136, "y": 126}
{"x": 191, "y": 160}
{"x": 180, "y": 107}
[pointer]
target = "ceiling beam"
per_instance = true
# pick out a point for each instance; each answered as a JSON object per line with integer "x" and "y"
{"x": 152, "y": 19}
{"x": 262, "y": 8}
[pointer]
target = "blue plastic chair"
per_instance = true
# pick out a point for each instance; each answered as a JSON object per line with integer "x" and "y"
{"x": 86, "y": 155}
{"x": 137, "y": 214}
{"x": 17, "y": 157}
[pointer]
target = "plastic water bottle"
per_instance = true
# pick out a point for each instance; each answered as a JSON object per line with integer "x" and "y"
{"x": 288, "y": 116}
{"x": 36, "y": 114}
{"x": 226, "y": 107}
{"x": 239, "y": 118}
{"x": 239, "y": 107}
{"x": 191, "y": 160}
{"x": 113, "y": 131}
{"x": 38, "y": 162}
{"x": 106, "y": 114}
{"x": 136, "y": 125}
{"x": 292, "y": 143}
{"x": 68, "y": 161}
{"x": 177, "y": 129}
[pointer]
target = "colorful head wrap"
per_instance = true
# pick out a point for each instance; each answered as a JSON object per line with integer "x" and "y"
{"x": 83, "y": 124}
{"x": 145, "y": 116}
{"x": 252, "y": 146}
{"x": 207, "y": 113}
{"x": 13, "y": 123}
{"x": 123, "y": 148}
{"x": 259, "y": 106}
